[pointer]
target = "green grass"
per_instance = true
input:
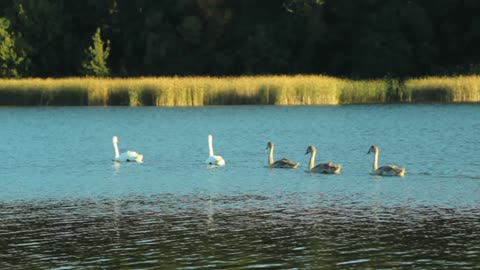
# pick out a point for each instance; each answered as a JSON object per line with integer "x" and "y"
{"x": 258, "y": 90}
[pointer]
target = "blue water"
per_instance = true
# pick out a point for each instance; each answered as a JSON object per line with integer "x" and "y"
{"x": 172, "y": 211}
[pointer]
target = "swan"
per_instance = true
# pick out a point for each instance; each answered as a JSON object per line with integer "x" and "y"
{"x": 329, "y": 167}
{"x": 213, "y": 159}
{"x": 388, "y": 170}
{"x": 281, "y": 163}
{"x": 129, "y": 156}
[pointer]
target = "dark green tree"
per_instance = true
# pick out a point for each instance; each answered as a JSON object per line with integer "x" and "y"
{"x": 9, "y": 59}
{"x": 42, "y": 26}
{"x": 97, "y": 55}
{"x": 360, "y": 38}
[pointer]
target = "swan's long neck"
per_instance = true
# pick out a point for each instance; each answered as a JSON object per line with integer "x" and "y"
{"x": 311, "y": 164}
{"x": 115, "y": 147}
{"x": 210, "y": 146}
{"x": 270, "y": 156}
{"x": 375, "y": 160}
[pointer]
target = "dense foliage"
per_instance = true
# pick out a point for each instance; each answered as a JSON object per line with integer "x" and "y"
{"x": 9, "y": 60}
{"x": 354, "y": 38}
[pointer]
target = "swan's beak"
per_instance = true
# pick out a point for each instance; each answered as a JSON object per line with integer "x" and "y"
{"x": 306, "y": 153}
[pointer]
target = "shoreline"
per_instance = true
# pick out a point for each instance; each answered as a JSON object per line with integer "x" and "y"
{"x": 243, "y": 90}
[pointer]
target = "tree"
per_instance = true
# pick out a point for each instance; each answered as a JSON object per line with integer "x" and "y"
{"x": 97, "y": 55}
{"x": 42, "y": 26}
{"x": 9, "y": 59}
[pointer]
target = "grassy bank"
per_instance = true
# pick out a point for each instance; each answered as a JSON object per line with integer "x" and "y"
{"x": 261, "y": 90}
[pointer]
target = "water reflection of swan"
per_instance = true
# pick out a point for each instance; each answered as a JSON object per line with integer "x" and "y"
{"x": 388, "y": 170}
{"x": 129, "y": 156}
{"x": 213, "y": 159}
{"x": 281, "y": 163}
{"x": 328, "y": 167}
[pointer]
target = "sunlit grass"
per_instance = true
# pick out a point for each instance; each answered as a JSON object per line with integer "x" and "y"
{"x": 444, "y": 89}
{"x": 257, "y": 90}
{"x": 361, "y": 92}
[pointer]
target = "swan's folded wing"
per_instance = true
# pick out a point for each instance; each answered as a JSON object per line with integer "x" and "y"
{"x": 130, "y": 156}
{"x": 284, "y": 163}
{"x": 215, "y": 160}
{"x": 219, "y": 160}
{"x": 388, "y": 168}
{"x": 328, "y": 167}
{"x": 391, "y": 170}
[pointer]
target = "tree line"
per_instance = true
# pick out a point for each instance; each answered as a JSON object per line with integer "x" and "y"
{"x": 346, "y": 38}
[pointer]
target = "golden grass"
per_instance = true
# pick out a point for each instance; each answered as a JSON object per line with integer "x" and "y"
{"x": 258, "y": 90}
{"x": 362, "y": 92}
{"x": 444, "y": 89}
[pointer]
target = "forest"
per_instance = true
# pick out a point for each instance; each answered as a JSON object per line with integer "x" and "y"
{"x": 355, "y": 39}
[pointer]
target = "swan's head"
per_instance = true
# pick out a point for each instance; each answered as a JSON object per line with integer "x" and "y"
{"x": 115, "y": 139}
{"x": 310, "y": 149}
{"x": 373, "y": 149}
{"x": 210, "y": 136}
{"x": 269, "y": 145}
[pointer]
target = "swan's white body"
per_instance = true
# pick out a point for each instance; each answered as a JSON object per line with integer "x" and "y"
{"x": 283, "y": 163}
{"x": 388, "y": 170}
{"x": 129, "y": 156}
{"x": 328, "y": 168}
{"x": 213, "y": 159}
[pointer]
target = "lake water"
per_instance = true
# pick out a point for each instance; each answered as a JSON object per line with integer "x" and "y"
{"x": 65, "y": 205}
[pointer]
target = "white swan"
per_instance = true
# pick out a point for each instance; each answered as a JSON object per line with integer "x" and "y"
{"x": 213, "y": 159}
{"x": 129, "y": 156}
{"x": 329, "y": 167}
{"x": 388, "y": 170}
{"x": 283, "y": 163}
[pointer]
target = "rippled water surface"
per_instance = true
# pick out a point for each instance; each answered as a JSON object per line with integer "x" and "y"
{"x": 65, "y": 205}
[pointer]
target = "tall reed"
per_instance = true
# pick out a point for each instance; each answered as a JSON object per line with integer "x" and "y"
{"x": 362, "y": 92}
{"x": 258, "y": 90}
{"x": 444, "y": 89}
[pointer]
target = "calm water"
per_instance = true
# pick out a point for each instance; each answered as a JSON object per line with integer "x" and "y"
{"x": 65, "y": 205}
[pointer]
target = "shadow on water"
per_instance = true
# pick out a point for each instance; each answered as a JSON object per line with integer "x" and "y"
{"x": 220, "y": 231}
